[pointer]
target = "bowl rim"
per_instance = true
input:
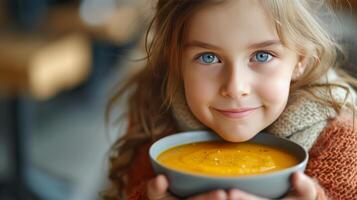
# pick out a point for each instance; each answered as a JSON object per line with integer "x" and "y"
{"x": 293, "y": 168}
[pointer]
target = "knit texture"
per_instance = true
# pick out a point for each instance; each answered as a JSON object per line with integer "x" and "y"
{"x": 333, "y": 159}
{"x": 302, "y": 121}
{"x": 184, "y": 117}
{"x": 139, "y": 174}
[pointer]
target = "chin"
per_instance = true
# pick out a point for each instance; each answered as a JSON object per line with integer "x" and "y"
{"x": 236, "y": 137}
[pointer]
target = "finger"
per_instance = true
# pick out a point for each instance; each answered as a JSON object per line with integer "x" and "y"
{"x": 302, "y": 187}
{"x": 213, "y": 195}
{"x": 236, "y": 194}
{"x": 157, "y": 188}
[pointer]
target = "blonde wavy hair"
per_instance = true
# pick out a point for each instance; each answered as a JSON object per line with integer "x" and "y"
{"x": 153, "y": 88}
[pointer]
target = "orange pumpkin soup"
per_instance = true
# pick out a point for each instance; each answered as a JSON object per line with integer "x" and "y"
{"x": 226, "y": 159}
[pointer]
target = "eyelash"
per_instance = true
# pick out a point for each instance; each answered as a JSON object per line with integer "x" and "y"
{"x": 272, "y": 55}
{"x": 254, "y": 54}
{"x": 205, "y": 53}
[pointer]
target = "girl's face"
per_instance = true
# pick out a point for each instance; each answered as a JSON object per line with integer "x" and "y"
{"x": 235, "y": 69}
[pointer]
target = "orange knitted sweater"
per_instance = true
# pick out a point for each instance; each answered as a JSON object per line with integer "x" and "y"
{"x": 332, "y": 163}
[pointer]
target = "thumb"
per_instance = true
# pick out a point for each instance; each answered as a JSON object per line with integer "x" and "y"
{"x": 303, "y": 187}
{"x": 157, "y": 188}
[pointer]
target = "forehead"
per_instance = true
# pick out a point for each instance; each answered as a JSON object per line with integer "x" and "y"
{"x": 232, "y": 22}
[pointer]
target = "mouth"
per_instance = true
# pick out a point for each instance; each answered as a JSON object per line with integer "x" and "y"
{"x": 237, "y": 112}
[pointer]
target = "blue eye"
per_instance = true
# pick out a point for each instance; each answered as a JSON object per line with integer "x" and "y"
{"x": 262, "y": 57}
{"x": 208, "y": 58}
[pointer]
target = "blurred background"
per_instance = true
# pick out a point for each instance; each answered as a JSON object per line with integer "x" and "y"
{"x": 59, "y": 61}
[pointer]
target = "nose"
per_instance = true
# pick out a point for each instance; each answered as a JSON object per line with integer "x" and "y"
{"x": 236, "y": 82}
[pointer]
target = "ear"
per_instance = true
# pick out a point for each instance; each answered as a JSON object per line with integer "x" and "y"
{"x": 299, "y": 69}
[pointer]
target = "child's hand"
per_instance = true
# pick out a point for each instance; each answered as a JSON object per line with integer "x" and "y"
{"x": 157, "y": 190}
{"x": 303, "y": 189}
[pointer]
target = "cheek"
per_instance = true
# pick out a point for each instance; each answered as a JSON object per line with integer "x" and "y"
{"x": 275, "y": 91}
{"x": 198, "y": 88}
{"x": 192, "y": 93}
{"x": 191, "y": 87}
{"x": 197, "y": 95}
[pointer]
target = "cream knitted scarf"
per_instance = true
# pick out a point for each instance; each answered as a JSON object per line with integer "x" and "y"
{"x": 302, "y": 120}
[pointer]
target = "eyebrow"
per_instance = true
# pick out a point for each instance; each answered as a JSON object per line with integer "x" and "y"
{"x": 197, "y": 43}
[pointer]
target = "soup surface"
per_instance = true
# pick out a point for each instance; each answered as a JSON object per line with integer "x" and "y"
{"x": 219, "y": 158}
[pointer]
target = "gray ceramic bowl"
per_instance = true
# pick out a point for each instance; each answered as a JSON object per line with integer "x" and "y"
{"x": 270, "y": 185}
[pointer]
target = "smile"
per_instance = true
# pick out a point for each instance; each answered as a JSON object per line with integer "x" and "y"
{"x": 237, "y": 113}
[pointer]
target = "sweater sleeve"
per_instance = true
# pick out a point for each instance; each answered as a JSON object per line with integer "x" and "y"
{"x": 333, "y": 160}
{"x": 139, "y": 174}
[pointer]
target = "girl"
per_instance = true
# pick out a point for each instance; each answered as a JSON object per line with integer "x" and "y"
{"x": 238, "y": 67}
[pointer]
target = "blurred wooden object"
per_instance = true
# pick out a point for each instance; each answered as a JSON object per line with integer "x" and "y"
{"x": 63, "y": 19}
{"x": 43, "y": 66}
{"x": 3, "y": 13}
{"x": 125, "y": 23}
